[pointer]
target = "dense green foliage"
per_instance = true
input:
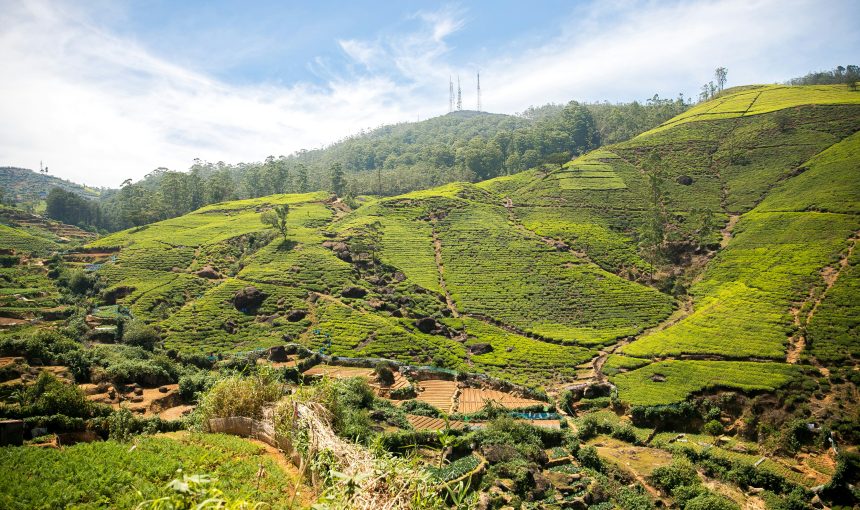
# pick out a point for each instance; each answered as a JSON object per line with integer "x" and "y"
{"x": 122, "y": 478}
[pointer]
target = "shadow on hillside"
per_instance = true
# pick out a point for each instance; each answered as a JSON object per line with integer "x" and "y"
{"x": 286, "y": 245}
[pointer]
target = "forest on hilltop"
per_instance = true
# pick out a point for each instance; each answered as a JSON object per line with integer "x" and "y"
{"x": 460, "y": 146}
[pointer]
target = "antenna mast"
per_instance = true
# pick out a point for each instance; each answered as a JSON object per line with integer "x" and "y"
{"x": 479, "y": 90}
{"x": 459, "y": 95}
{"x": 450, "y": 94}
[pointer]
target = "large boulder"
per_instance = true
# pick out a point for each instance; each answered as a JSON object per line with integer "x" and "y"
{"x": 353, "y": 292}
{"x": 296, "y": 315}
{"x": 208, "y": 272}
{"x": 278, "y": 354}
{"x": 248, "y": 299}
{"x": 427, "y": 325}
{"x": 481, "y": 348}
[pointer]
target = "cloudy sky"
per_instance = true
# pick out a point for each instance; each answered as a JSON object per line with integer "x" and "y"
{"x": 106, "y": 90}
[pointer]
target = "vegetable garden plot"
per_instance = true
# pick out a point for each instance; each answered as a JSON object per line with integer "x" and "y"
{"x": 472, "y": 400}
{"x": 439, "y": 394}
{"x": 428, "y": 423}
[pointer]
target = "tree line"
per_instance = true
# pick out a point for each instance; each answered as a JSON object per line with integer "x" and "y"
{"x": 848, "y": 75}
{"x": 390, "y": 160}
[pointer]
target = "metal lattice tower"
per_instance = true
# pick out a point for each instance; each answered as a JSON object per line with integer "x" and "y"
{"x": 459, "y": 95}
{"x": 450, "y": 94}
{"x": 479, "y": 91}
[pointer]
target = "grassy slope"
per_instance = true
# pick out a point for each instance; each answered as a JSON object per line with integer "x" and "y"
{"x": 69, "y": 477}
{"x": 503, "y": 263}
{"x": 23, "y": 241}
{"x": 794, "y": 224}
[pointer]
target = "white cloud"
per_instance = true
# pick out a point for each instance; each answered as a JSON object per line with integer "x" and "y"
{"x": 98, "y": 108}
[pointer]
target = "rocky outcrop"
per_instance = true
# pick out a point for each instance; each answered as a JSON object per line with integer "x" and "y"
{"x": 353, "y": 292}
{"x": 208, "y": 272}
{"x": 248, "y": 299}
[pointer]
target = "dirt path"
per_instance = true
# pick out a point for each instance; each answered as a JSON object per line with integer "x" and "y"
{"x": 726, "y": 232}
{"x": 830, "y": 274}
{"x": 600, "y": 360}
{"x": 437, "y": 250}
{"x": 733, "y": 493}
{"x": 305, "y": 494}
{"x": 681, "y": 313}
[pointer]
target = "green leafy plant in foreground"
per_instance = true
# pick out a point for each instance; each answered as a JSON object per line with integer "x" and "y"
{"x": 196, "y": 492}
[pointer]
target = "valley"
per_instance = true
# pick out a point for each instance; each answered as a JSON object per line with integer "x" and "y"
{"x": 670, "y": 320}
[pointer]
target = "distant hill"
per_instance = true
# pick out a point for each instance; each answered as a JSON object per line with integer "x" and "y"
{"x": 21, "y": 184}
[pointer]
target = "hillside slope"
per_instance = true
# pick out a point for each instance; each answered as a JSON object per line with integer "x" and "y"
{"x": 538, "y": 276}
{"x": 22, "y": 184}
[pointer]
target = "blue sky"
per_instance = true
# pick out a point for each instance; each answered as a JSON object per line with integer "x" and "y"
{"x": 103, "y": 90}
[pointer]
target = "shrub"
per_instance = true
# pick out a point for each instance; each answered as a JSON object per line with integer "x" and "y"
{"x": 78, "y": 282}
{"x": 677, "y": 474}
{"x": 632, "y": 499}
{"x": 710, "y": 501}
{"x": 140, "y": 334}
{"x": 384, "y": 374}
{"x": 842, "y": 486}
{"x": 240, "y": 396}
{"x": 404, "y": 439}
{"x": 49, "y": 396}
{"x": 713, "y": 428}
{"x": 190, "y": 385}
{"x": 385, "y": 411}
{"x": 566, "y": 400}
{"x": 683, "y": 493}
{"x": 588, "y": 457}
{"x": 624, "y": 432}
{"x": 793, "y": 435}
{"x": 144, "y": 372}
{"x": 517, "y": 470}
{"x": 525, "y": 438}
{"x": 55, "y": 422}
{"x": 9, "y": 260}
{"x": 45, "y": 345}
{"x": 587, "y": 428}
{"x": 421, "y": 408}
{"x": 120, "y": 424}
{"x": 403, "y": 393}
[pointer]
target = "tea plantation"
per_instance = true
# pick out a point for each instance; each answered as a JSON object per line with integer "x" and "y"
{"x": 701, "y": 278}
{"x": 543, "y": 267}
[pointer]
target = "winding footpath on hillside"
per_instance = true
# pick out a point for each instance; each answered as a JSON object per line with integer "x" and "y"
{"x": 830, "y": 275}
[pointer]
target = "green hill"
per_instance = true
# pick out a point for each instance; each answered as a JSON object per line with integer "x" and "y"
{"x": 528, "y": 277}
{"x": 21, "y": 184}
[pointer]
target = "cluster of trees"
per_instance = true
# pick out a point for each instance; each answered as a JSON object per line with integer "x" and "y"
{"x": 73, "y": 209}
{"x": 622, "y": 121}
{"x": 712, "y": 88}
{"x": 848, "y": 75}
{"x": 390, "y": 160}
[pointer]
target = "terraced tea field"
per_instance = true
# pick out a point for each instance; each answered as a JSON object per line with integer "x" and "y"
{"x": 535, "y": 277}
{"x": 669, "y": 382}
